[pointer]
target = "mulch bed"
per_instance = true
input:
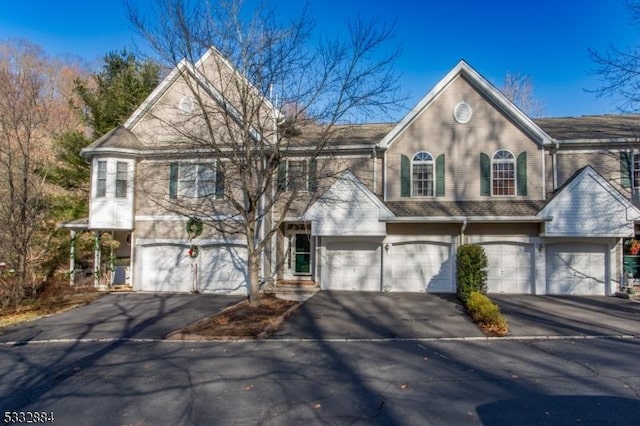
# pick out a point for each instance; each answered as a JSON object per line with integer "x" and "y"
{"x": 241, "y": 321}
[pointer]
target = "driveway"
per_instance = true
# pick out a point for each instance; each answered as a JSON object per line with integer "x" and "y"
{"x": 529, "y": 315}
{"x": 122, "y": 315}
{"x": 362, "y": 315}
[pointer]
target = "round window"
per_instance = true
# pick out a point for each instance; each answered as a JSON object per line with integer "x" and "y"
{"x": 186, "y": 104}
{"x": 462, "y": 112}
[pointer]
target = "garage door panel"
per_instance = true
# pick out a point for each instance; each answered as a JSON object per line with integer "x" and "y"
{"x": 353, "y": 266}
{"x": 509, "y": 268}
{"x": 576, "y": 268}
{"x": 420, "y": 267}
{"x": 223, "y": 270}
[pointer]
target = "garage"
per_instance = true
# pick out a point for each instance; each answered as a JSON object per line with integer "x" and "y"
{"x": 164, "y": 268}
{"x": 168, "y": 267}
{"x": 576, "y": 268}
{"x": 510, "y": 268}
{"x": 420, "y": 267}
{"x": 352, "y": 265}
{"x": 223, "y": 269}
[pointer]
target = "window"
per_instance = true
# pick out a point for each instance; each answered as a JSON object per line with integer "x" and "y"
{"x": 297, "y": 175}
{"x": 422, "y": 177}
{"x": 196, "y": 180}
{"x": 101, "y": 180}
{"x": 121, "y": 179}
{"x": 636, "y": 170}
{"x": 503, "y": 173}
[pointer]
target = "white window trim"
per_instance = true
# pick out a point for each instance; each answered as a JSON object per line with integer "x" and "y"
{"x": 196, "y": 190}
{"x": 433, "y": 165}
{"x": 515, "y": 173}
{"x": 305, "y": 187}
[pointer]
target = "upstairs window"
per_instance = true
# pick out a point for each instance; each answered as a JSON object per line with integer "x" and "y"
{"x": 636, "y": 170}
{"x": 422, "y": 177}
{"x": 187, "y": 180}
{"x": 297, "y": 175}
{"x": 121, "y": 179}
{"x": 503, "y": 176}
{"x": 101, "y": 179}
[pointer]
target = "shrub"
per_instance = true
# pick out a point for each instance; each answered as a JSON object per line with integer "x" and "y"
{"x": 486, "y": 314}
{"x": 471, "y": 271}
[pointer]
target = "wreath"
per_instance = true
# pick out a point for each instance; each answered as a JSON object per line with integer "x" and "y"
{"x": 194, "y": 227}
{"x": 193, "y": 252}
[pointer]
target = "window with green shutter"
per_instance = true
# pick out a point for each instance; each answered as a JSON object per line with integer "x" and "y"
{"x": 440, "y": 176}
{"x": 625, "y": 169}
{"x": 405, "y": 176}
{"x": 521, "y": 172}
{"x": 485, "y": 174}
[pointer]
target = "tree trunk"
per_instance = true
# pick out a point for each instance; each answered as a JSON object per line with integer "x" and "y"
{"x": 254, "y": 279}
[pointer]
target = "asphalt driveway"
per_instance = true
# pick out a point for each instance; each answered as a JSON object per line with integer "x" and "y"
{"x": 363, "y": 315}
{"x": 122, "y": 315}
{"x": 530, "y": 315}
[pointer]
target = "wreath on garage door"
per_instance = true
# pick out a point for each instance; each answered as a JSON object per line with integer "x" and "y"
{"x": 194, "y": 227}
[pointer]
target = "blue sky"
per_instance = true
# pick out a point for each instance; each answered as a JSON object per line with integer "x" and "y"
{"x": 548, "y": 40}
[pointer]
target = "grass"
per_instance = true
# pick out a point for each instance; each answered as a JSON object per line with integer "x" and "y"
{"x": 241, "y": 321}
{"x": 53, "y": 299}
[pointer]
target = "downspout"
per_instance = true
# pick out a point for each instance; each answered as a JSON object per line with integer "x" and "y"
{"x": 72, "y": 259}
{"x": 555, "y": 166}
{"x": 462, "y": 229}
{"x": 375, "y": 170}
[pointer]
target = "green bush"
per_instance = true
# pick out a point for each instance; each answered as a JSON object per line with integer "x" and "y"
{"x": 471, "y": 270}
{"x": 486, "y": 314}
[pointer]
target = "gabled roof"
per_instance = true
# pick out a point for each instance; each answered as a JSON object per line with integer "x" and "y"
{"x": 589, "y": 206}
{"x": 482, "y": 85}
{"x": 347, "y": 208}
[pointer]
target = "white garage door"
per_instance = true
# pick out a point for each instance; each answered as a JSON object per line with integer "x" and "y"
{"x": 352, "y": 266}
{"x": 576, "y": 268}
{"x": 223, "y": 269}
{"x": 420, "y": 267}
{"x": 510, "y": 268}
{"x": 164, "y": 268}
{"x": 220, "y": 269}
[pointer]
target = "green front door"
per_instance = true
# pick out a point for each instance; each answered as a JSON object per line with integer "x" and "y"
{"x": 302, "y": 254}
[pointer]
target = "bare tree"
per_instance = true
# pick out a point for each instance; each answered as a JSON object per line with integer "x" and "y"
{"x": 258, "y": 67}
{"x": 519, "y": 88}
{"x": 33, "y": 106}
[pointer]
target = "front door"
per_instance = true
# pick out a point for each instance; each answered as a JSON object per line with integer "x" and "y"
{"x": 298, "y": 255}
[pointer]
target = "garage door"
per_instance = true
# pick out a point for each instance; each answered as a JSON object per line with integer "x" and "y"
{"x": 223, "y": 269}
{"x": 510, "y": 268}
{"x": 352, "y": 266}
{"x": 576, "y": 268}
{"x": 164, "y": 268}
{"x": 420, "y": 267}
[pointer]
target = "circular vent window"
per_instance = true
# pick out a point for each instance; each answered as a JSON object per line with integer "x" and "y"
{"x": 462, "y": 112}
{"x": 186, "y": 104}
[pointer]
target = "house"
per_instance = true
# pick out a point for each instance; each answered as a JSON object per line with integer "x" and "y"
{"x": 551, "y": 200}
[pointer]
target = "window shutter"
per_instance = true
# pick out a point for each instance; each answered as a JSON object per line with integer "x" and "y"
{"x": 282, "y": 175}
{"x": 440, "y": 176}
{"x": 485, "y": 174}
{"x": 313, "y": 172}
{"x": 521, "y": 173}
{"x": 173, "y": 181}
{"x": 405, "y": 176}
{"x": 625, "y": 169}
{"x": 219, "y": 183}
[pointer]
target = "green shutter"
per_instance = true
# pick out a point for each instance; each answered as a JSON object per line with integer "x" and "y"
{"x": 313, "y": 172}
{"x": 521, "y": 173}
{"x": 219, "y": 183}
{"x": 405, "y": 176}
{"x": 485, "y": 174}
{"x": 173, "y": 181}
{"x": 282, "y": 175}
{"x": 625, "y": 170}
{"x": 440, "y": 176}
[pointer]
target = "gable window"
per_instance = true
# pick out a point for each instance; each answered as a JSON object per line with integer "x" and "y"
{"x": 422, "y": 176}
{"x": 191, "y": 180}
{"x": 297, "y": 175}
{"x": 121, "y": 179}
{"x": 503, "y": 173}
{"x": 101, "y": 179}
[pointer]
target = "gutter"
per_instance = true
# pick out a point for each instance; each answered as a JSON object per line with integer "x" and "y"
{"x": 468, "y": 219}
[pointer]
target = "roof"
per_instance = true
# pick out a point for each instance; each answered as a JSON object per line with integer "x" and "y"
{"x": 435, "y": 208}
{"x": 483, "y": 86}
{"x": 341, "y": 134}
{"x": 592, "y": 127}
{"x": 118, "y": 138}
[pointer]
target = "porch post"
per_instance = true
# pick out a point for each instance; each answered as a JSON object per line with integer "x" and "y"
{"x": 96, "y": 259}
{"x": 72, "y": 259}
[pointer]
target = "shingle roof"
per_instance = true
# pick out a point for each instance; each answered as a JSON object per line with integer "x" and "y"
{"x": 119, "y": 137}
{"x": 592, "y": 126}
{"x": 434, "y": 208}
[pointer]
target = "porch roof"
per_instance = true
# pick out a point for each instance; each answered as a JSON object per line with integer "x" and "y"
{"x": 510, "y": 210}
